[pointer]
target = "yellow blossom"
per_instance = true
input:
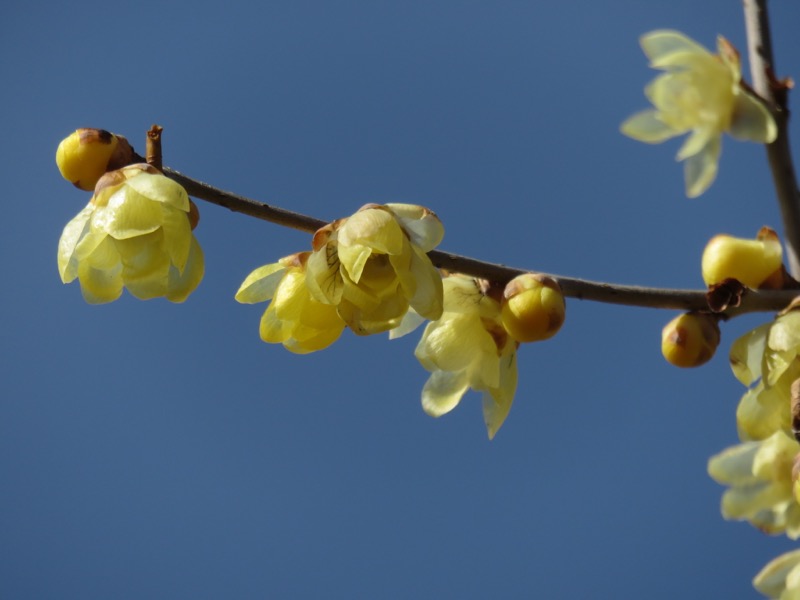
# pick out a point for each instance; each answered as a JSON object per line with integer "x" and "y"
{"x": 374, "y": 265}
{"x": 468, "y": 348}
{"x": 134, "y": 233}
{"x": 760, "y": 474}
{"x": 293, "y": 318}
{"x": 766, "y": 359}
{"x": 780, "y": 578}
{"x": 701, "y": 93}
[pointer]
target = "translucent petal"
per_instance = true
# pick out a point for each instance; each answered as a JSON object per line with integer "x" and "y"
{"x": 747, "y": 353}
{"x": 762, "y": 411}
{"x": 428, "y": 299}
{"x": 734, "y": 465}
{"x": 272, "y": 329}
{"x": 353, "y": 258}
{"x": 100, "y": 274}
{"x": 411, "y": 320}
{"x": 145, "y": 265}
{"x": 461, "y": 294}
{"x": 752, "y": 121}
{"x": 661, "y": 45}
{"x": 497, "y": 401}
{"x": 160, "y": 188}
{"x": 453, "y": 344}
{"x": 646, "y": 126}
{"x": 177, "y": 235}
{"x": 443, "y": 391}
{"x": 745, "y": 502}
{"x": 696, "y": 142}
{"x": 73, "y": 233}
{"x": 700, "y": 170}
{"x": 771, "y": 580}
{"x": 375, "y": 228}
{"x": 368, "y": 320}
{"x": 180, "y": 285}
{"x": 323, "y": 278}
{"x": 785, "y": 332}
{"x": 127, "y": 215}
{"x": 260, "y": 285}
{"x": 422, "y": 226}
{"x": 318, "y": 342}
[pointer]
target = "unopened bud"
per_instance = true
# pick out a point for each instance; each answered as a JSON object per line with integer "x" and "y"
{"x": 690, "y": 339}
{"x": 85, "y": 155}
{"x": 751, "y": 262}
{"x": 533, "y": 307}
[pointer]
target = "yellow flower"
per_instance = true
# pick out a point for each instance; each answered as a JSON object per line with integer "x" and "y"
{"x": 761, "y": 478}
{"x": 134, "y": 233}
{"x": 373, "y": 265}
{"x": 468, "y": 348}
{"x": 293, "y": 318}
{"x": 767, "y": 357}
{"x": 780, "y": 578}
{"x": 701, "y": 93}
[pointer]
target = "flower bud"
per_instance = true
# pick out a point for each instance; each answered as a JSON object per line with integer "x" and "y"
{"x": 85, "y": 155}
{"x": 690, "y": 339}
{"x": 751, "y": 262}
{"x": 533, "y": 307}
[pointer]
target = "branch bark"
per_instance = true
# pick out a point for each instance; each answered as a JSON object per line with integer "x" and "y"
{"x": 648, "y": 297}
{"x": 779, "y": 154}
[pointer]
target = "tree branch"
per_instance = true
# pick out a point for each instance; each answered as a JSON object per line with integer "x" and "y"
{"x": 752, "y": 301}
{"x": 779, "y": 154}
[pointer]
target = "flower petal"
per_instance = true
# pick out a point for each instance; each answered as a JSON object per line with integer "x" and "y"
{"x": 423, "y": 227}
{"x": 646, "y": 126}
{"x": 752, "y": 121}
{"x": 260, "y": 284}
{"x": 180, "y": 285}
{"x": 443, "y": 391}
{"x": 497, "y": 401}
{"x": 700, "y": 170}
{"x": 73, "y": 233}
{"x": 128, "y": 214}
{"x": 771, "y": 580}
{"x": 747, "y": 353}
{"x": 427, "y": 301}
{"x": 662, "y": 45}
{"x": 160, "y": 188}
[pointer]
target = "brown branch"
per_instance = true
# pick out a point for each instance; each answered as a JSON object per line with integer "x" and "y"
{"x": 581, "y": 289}
{"x": 779, "y": 154}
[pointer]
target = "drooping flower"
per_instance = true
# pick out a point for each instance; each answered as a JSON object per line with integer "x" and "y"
{"x": 701, "y": 93}
{"x": 766, "y": 359}
{"x": 293, "y": 318}
{"x": 761, "y": 476}
{"x": 373, "y": 266}
{"x": 780, "y": 578}
{"x": 467, "y": 347}
{"x": 136, "y": 233}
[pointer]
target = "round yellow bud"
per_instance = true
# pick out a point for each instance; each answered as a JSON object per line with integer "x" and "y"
{"x": 533, "y": 308}
{"x": 690, "y": 340}
{"x": 751, "y": 262}
{"x": 85, "y": 155}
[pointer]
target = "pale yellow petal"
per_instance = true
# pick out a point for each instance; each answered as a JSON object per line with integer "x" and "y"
{"x": 260, "y": 284}
{"x": 762, "y": 411}
{"x": 662, "y": 45}
{"x": 177, "y": 235}
{"x": 746, "y": 354}
{"x": 751, "y": 502}
{"x": 159, "y": 188}
{"x": 353, "y": 259}
{"x": 646, "y": 126}
{"x": 128, "y": 214}
{"x": 696, "y": 142}
{"x": 423, "y": 227}
{"x": 497, "y": 401}
{"x": 428, "y": 298}
{"x": 73, "y": 233}
{"x": 443, "y": 391}
{"x": 700, "y": 170}
{"x": 752, "y": 121}
{"x": 272, "y": 329}
{"x": 375, "y": 228}
{"x": 771, "y": 580}
{"x": 318, "y": 342}
{"x": 734, "y": 465}
{"x": 411, "y": 320}
{"x": 180, "y": 285}
{"x": 145, "y": 265}
{"x": 100, "y": 274}
{"x": 323, "y": 276}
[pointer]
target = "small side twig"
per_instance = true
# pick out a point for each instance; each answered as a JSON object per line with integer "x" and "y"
{"x": 153, "y": 147}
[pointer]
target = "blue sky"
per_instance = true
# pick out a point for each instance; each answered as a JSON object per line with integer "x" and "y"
{"x": 151, "y": 450}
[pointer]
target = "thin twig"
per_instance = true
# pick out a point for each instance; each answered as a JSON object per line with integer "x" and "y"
{"x": 752, "y": 301}
{"x": 779, "y": 154}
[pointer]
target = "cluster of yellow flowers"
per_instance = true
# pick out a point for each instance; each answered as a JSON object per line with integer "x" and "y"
{"x": 136, "y": 230}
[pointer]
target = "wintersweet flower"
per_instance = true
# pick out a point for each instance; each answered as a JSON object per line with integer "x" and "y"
{"x": 760, "y": 474}
{"x": 780, "y": 578}
{"x": 766, "y": 359}
{"x": 374, "y": 265}
{"x": 701, "y": 93}
{"x": 135, "y": 233}
{"x": 293, "y": 318}
{"x": 465, "y": 348}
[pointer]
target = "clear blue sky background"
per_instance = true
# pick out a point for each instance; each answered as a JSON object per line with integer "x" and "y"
{"x": 151, "y": 450}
